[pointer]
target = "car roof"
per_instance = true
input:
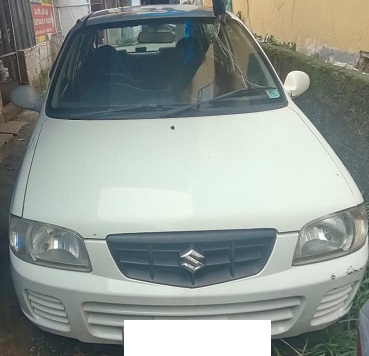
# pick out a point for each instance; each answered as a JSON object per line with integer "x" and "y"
{"x": 131, "y": 13}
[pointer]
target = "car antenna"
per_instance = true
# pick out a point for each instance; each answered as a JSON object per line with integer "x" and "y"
{"x": 227, "y": 51}
{"x": 219, "y": 8}
{"x": 85, "y": 19}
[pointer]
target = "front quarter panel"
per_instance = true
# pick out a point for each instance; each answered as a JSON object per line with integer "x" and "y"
{"x": 20, "y": 187}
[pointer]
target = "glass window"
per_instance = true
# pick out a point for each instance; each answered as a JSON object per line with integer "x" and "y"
{"x": 155, "y": 66}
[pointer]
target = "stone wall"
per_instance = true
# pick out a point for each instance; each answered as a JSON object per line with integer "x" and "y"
{"x": 35, "y": 62}
{"x": 337, "y": 104}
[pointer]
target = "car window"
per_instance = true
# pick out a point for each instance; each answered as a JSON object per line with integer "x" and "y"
{"x": 247, "y": 57}
{"x": 139, "y": 38}
{"x": 137, "y": 66}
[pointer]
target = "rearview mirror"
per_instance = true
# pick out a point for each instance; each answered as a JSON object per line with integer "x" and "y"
{"x": 296, "y": 83}
{"x": 156, "y": 37}
{"x": 26, "y": 97}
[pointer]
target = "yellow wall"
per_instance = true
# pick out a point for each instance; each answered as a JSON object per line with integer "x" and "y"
{"x": 341, "y": 25}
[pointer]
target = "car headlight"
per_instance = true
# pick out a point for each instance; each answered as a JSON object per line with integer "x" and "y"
{"x": 332, "y": 236}
{"x": 48, "y": 245}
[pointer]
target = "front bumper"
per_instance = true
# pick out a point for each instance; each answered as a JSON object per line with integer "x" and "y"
{"x": 92, "y": 307}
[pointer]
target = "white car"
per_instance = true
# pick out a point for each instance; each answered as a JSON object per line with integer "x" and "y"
{"x": 171, "y": 176}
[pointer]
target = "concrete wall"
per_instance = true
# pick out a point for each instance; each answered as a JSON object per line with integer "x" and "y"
{"x": 333, "y": 29}
{"x": 35, "y": 62}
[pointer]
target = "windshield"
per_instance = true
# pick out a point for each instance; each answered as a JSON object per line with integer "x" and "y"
{"x": 142, "y": 69}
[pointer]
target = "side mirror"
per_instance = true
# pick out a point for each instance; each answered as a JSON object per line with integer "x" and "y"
{"x": 26, "y": 97}
{"x": 296, "y": 83}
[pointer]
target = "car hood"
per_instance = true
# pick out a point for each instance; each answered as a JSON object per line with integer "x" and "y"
{"x": 255, "y": 170}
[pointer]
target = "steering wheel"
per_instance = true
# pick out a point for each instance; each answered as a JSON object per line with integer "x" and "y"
{"x": 116, "y": 78}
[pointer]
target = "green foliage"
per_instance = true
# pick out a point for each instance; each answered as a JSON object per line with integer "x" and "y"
{"x": 343, "y": 95}
{"x": 270, "y": 39}
{"x": 44, "y": 80}
{"x": 337, "y": 340}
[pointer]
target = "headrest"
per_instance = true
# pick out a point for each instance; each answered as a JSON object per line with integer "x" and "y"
{"x": 189, "y": 49}
{"x": 155, "y": 37}
{"x": 105, "y": 50}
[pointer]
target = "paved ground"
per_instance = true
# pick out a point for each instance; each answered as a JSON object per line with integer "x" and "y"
{"x": 17, "y": 335}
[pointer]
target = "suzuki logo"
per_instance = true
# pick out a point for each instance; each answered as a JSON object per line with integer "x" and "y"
{"x": 191, "y": 261}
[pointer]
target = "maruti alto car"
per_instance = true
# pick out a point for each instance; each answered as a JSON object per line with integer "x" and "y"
{"x": 171, "y": 176}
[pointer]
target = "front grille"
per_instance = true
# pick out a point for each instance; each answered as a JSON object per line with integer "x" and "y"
{"x": 106, "y": 320}
{"x": 49, "y": 309}
{"x": 334, "y": 304}
{"x": 220, "y": 256}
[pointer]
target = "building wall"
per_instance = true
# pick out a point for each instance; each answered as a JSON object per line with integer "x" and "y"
{"x": 333, "y": 29}
{"x": 67, "y": 12}
{"x": 35, "y": 62}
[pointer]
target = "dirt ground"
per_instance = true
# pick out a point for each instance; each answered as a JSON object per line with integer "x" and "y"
{"x": 18, "y": 336}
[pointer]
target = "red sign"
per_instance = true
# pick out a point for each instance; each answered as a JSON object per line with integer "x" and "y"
{"x": 43, "y": 21}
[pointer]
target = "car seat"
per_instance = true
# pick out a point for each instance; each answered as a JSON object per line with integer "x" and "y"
{"x": 106, "y": 65}
{"x": 189, "y": 58}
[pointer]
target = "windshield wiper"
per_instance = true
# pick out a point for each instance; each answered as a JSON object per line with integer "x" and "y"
{"x": 233, "y": 94}
{"x": 241, "y": 92}
{"x": 130, "y": 108}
